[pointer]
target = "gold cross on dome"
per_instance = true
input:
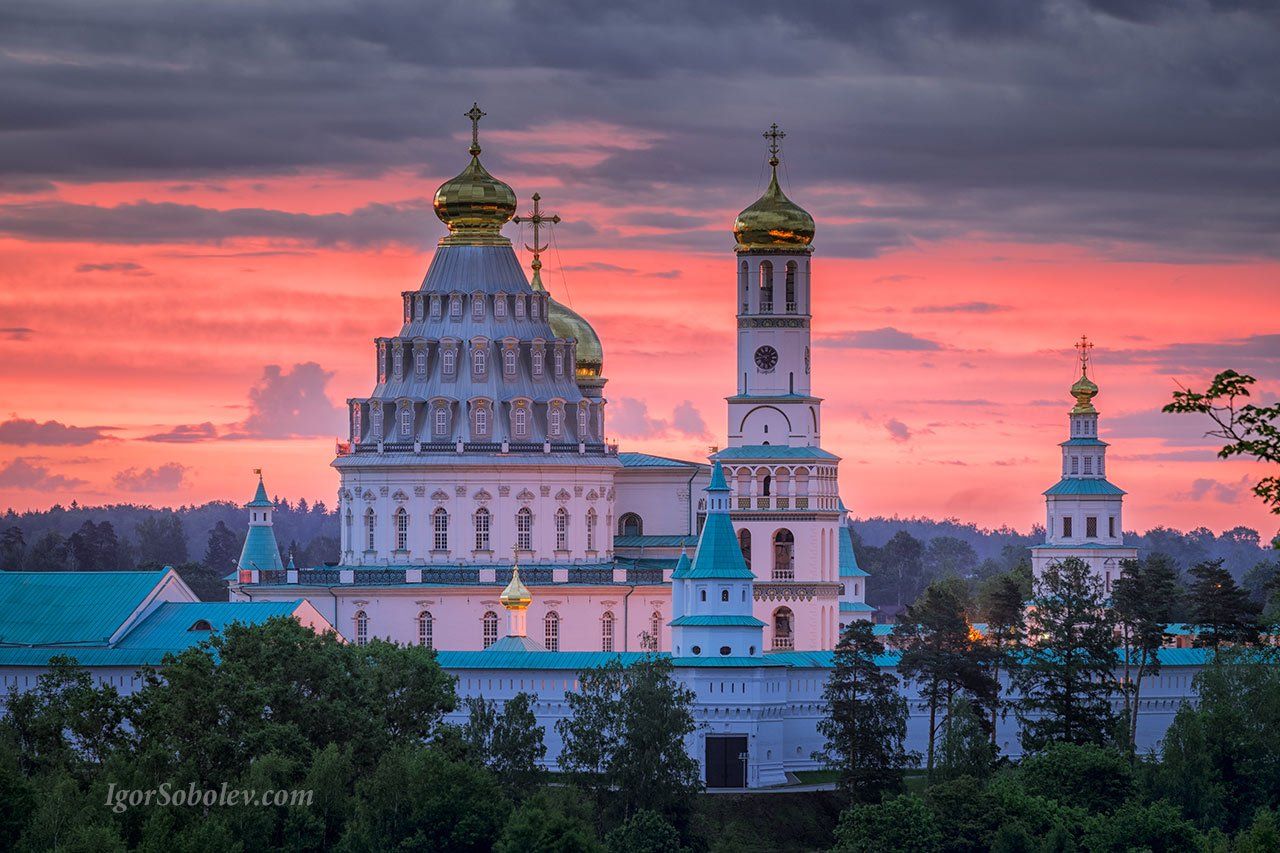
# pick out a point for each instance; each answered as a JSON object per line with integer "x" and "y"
{"x": 773, "y": 135}
{"x": 1084, "y": 345}
{"x": 535, "y": 220}
{"x": 475, "y": 114}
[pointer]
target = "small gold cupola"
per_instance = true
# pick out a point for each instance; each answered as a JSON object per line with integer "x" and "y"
{"x": 474, "y": 205}
{"x": 516, "y": 596}
{"x": 773, "y": 223}
{"x": 1084, "y": 389}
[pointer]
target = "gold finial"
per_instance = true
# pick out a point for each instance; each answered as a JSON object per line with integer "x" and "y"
{"x": 1083, "y": 346}
{"x": 773, "y": 135}
{"x": 475, "y": 114}
{"x": 516, "y": 596}
{"x": 536, "y": 219}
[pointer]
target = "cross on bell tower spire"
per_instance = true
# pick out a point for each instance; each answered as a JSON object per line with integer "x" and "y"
{"x": 536, "y": 220}
{"x": 773, "y": 134}
{"x": 475, "y": 114}
{"x": 1083, "y": 346}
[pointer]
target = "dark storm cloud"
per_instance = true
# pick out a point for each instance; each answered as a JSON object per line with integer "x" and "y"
{"x": 28, "y": 431}
{"x": 1141, "y": 128}
{"x": 1256, "y": 354}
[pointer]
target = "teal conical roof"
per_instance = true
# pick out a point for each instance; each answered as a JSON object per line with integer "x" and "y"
{"x": 260, "y": 550}
{"x": 260, "y": 496}
{"x": 717, "y": 479}
{"x": 718, "y": 553}
{"x": 682, "y": 566}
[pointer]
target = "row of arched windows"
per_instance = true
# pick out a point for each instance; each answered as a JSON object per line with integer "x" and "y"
{"x": 550, "y": 629}
{"x": 501, "y": 305}
{"x": 482, "y": 525}
{"x": 438, "y": 414}
{"x": 784, "y": 552}
{"x": 398, "y": 357}
{"x": 766, "y": 287}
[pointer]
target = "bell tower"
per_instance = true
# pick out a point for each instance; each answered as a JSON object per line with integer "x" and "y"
{"x": 773, "y": 404}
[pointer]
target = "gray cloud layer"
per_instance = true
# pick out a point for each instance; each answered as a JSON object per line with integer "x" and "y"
{"x": 1142, "y": 128}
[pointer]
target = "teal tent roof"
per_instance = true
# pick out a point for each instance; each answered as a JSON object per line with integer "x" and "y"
{"x": 654, "y": 541}
{"x": 1083, "y": 442}
{"x": 515, "y": 644}
{"x": 260, "y": 496}
{"x": 69, "y": 608}
{"x": 718, "y": 554}
{"x": 715, "y": 621}
{"x": 848, "y": 560}
{"x": 1067, "y": 486}
{"x": 717, "y": 483}
{"x": 648, "y": 460}
{"x": 774, "y": 451}
{"x": 168, "y": 628}
{"x": 682, "y": 567}
{"x": 260, "y": 550}
{"x": 855, "y": 607}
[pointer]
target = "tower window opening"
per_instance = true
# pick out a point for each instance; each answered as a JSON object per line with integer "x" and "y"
{"x": 766, "y": 287}
{"x": 768, "y": 484}
{"x": 551, "y": 631}
{"x": 440, "y": 529}
{"x": 370, "y": 526}
{"x": 1075, "y": 464}
{"x": 630, "y": 525}
{"x": 744, "y": 545}
{"x": 724, "y": 595}
{"x": 362, "y": 628}
{"x": 489, "y": 628}
{"x": 791, "y": 287}
{"x": 1091, "y": 527}
{"x": 402, "y": 529}
{"x": 425, "y": 626}
{"x": 783, "y": 629}
{"x": 481, "y": 522}
{"x": 784, "y": 544}
{"x": 562, "y": 529}
{"x": 606, "y": 631}
{"x": 1066, "y": 526}
{"x": 1088, "y": 465}
{"x": 524, "y": 529}
{"x": 1111, "y": 526}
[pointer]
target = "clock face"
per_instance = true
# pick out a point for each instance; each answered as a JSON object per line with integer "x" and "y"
{"x": 766, "y": 358}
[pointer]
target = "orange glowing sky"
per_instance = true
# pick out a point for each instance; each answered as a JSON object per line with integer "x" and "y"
{"x": 183, "y": 322}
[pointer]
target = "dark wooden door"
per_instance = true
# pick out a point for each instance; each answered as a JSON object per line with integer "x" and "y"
{"x": 726, "y": 761}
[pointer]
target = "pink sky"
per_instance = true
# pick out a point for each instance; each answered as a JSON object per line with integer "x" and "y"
{"x": 944, "y": 364}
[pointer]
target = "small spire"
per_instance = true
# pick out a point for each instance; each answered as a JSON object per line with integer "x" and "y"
{"x": 536, "y": 219}
{"x": 1083, "y": 346}
{"x": 717, "y": 483}
{"x": 475, "y": 114}
{"x": 1084, "y": 389}
{"x": 773, "y": 134}
{"x": 291, "y": 566}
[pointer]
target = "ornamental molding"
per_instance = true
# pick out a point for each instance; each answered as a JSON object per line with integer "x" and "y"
{"x": 545, "y": 490}
{"x": 504, "y": 491}
{"x": 577, "y": 490}
{"x": 562, "y": 495}
{"x": 384, "y": 490}
{"x": 419, "y": 491}
{"x": 368, "y": 495}
{"x": 439, "y": 495}
{"x": 399, "y": 496}
{"x": 460, "y": 491}
{"x": 483, "y": 495}
{"x": 525, "y": 495}
{"x": 772, "y": 323}
{"x": 790, "y": 591}
{"x": 593, "y": 495}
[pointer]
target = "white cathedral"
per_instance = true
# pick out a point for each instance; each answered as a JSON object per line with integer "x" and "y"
{"x": 477, "y": 479}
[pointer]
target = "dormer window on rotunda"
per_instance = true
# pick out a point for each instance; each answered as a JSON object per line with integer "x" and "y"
{"x": 435, "y": 307}
{"x": 449, "y": 360}
{"x": 500, "y": 306}
{"x": 441, "y": 420}
{"x": 537, "y": 360}
{"x": 519, "y": 305}
{"x": 559, "y": 361}
{"x": 455, "y": 306}
{"x": 420, "y": 361}
{"x": 479, "y": 361}
{"x": 477, "y": 306}
{"x": 509, "y": 362}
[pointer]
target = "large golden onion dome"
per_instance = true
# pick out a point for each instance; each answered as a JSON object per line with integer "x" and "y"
{"x": 474, "y": 205}
{"x": 774, "y": 222}
{"x": 1084, "y": 391}
{"x": 516, "y": 596}
{"x": 567, "y": 323}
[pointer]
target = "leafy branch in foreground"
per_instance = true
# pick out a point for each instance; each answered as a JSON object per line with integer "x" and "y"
{"x": 1248, "y": 430}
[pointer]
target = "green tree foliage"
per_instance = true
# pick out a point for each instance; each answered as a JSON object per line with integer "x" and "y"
{"x": 509, "y": 742}
{"x": 942, "y": 657}
{"x": 966, "y": 747}
{"x": 1247, "y": 429}
{"x": 161, "y": 540}
{"x": 1221, "y": 757}
{"x": 865, "y": 725}
{"x": 644, "y": 832}
{"x": 1001, "y": 601}
{"x": 1091, "y": 777}
{"x": 1221, "y": 612}
{"x": 1067, "y": 674}
{"x": 222, "y": 550}
{"x": 949, "y": 556}
{"x": 96, "y": 548}
{"x": 13, "y": 549}
{"x": 49, "y": 554}
{"x": 902, "y": 561}
{"x": 1142, "y": 600}
{"x": 1156, "y": 827}
{"x": 901, "y": 824}
{"x": 624, "y": 740}
{"x": 544, "y": 825}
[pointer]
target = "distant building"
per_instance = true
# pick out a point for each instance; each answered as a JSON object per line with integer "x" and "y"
{"x": 1083, "y": 509}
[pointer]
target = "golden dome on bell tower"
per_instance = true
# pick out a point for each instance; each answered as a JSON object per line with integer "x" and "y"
{"x": 474, "y": 205}
{"x": 773, "y": 222}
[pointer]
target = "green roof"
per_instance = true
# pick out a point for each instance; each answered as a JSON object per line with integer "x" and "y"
{"x": 682, "y": 567}
{"x": 848, "y": 560}
{"x": 718, "y": 553}
{"x": 260, "y": 496}
{"x": 168, "y": 627}
{"x": 1068, "y": 486}
{"x": 717, "y": 483}
{"x": 855, "y": 607}
{"x": 715, "y": 621}
{"x": 655, "y": 541}
{"x": 647, "y": 460}
{"x": 260, "y": 550}
{"x": 69, "y": 608}
{"x": 1083, "y": 442}
{"x": 774, "y": 451}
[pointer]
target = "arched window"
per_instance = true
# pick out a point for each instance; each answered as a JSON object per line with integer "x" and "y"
{"x": 402, "y": 529}
{"x": 482, "y": 520}
{"x": 362, "y": 628}
{"x": 442, "y": 420}
{"x": 724, "y": 595}
{"x": 606, "y": 631}
{"x": 477, "y": 306}
{"x": 448, "y": 361}
{"x": 479, "y": 361}
{"x": 744, "y": 545}
{"x": 355, "y": 421}
{"x": 489, "y": 628}
{"x": 562, "y": 529}
{"x": 537, "y": 362}
{"x": 554, "y": 418}
{"x": 783, "y": 629}
{"x": 509, "y": 362}
{"x": 521, "y": 419}
{"x": 455, "y": 306}
{"x": 524, "y": 529}
{"x": 519, "y": 306}
{"x": 482, "y": 420}
{"x": 582, "y": 422}
{"x": 435, "y": 306}
{"x": 440, "y": 529}
{"x": 406, "y": 420}
{"x": 551, "y": 631}
{"x": 784, "y": 545}
{"x": 425, "y": 626}
{"x": 655, "y": 632}
{"x": 791, "y": 287}
{"x": 534, "y": 304}
{"x": 630, "y": 525}
{"x": 766, "y": 287}
{"x": 559, "y": 362}
{"x": 742, "y": 280}
{"x": 420, "y": 362}
{"x": 768, "y": 485}
{"x": 500, "y": 306}
{"x": 591, "y": 529}
{"x": 370, "y": 525}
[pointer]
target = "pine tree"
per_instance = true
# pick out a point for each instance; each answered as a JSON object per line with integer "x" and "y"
{"x": 1220, "y": 610}
{"x": 223, "y": 550}
{"x": 13, "y": 547}
{"x": 866, "y": 721}
{"x": 940, "y": 654}
{"x": 1142, "y": 599}
{"x": 161, "y": 540}
{"x": 1067, "y": 673}
{"x": 49, "y": 554}
{"x": 1001, "y": 602}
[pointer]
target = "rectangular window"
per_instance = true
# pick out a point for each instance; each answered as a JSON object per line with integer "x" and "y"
{"x": 1075, "y": 464}
{"x": 1091, "y": 527}
{"x": 1066, "y": 526}
{"x": 477, "y": 306}
{"x": 500, "y": 306}
{"x": 442, "y": 421}
{"x": 406, "y": 421}
{"x": 537, "y": 362}
{"x": 524, "y": 530}
{"x": 519, "y": 306}
{"x": 440, "y": 530}
{"x": 562, "y": 530}
{"x": 1111, "y": 526}
{"x": 1088, "y": 464}
{"x": 482, "y": 530}
{"x": 402, "y": 530}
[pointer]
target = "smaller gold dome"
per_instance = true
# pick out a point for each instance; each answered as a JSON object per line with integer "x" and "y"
{"x": 474, "y": 205}
{"x": 516, "y": 596}
{"x": 773, "y": 222}
{"x": 567, "y": 323}
{"x": 1084, "y": 390}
